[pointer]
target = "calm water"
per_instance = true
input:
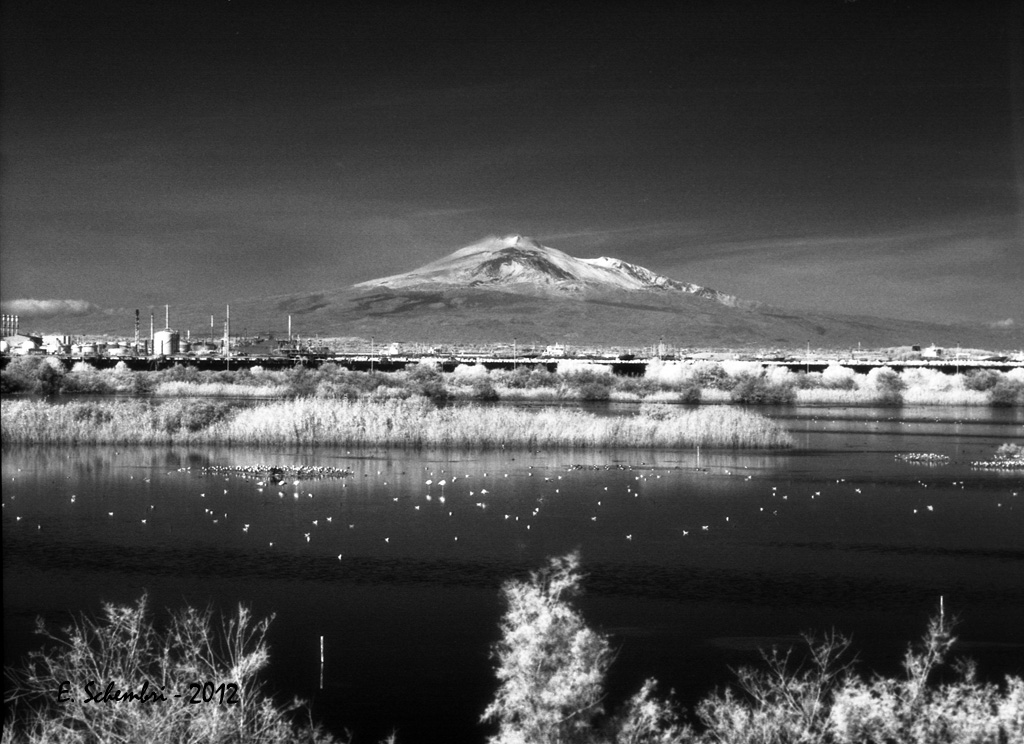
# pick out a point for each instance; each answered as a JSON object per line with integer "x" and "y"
{"x": 690, "y": 570}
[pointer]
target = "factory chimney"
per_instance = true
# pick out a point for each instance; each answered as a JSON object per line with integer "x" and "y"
{"x": 136, "y": 330}
{"x": 10, "y": 326}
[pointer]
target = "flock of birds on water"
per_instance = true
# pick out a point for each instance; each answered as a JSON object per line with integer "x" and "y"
{"x": 446, "y": 490}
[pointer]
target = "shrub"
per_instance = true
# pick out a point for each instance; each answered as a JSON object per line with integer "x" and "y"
{"x": 179, "y": 373}
{"x": 981, "y": 379}
{"x": 594, "y": 391}
{"x": 84, "y": 378}
{"x": 712, "y": 375}
{"x": 888, "y": 384}
{"x": 302, "y": 383}
{"x": 785, "y": 701}
{"x": 141, "y": 383}
{"x": 484, "y": 390}
{"x": 641, "y": 386}
{"x": 1007, "y": 393}
{"x": 690, "y": 393}
{"x": 551, "y": 670}
{"x": 42, "y": 375}
{"x": 525, "y": 377}
{"x": 428, "y": 381}
{"x": 758, "y": 390}
{"x": 838, "y": 377}
{"x": 809, "y": 380}
{"x": 127, "y": 650}
{"x": 669, "y": 373}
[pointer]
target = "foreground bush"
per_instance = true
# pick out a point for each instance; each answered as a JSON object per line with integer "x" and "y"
{"x": 552, "y": 667}
{"x": 126, "y": 650}
{"x": 551, "y": 671}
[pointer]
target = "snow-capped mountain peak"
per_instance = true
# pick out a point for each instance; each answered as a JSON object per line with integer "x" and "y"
{"x": 520, "y": 262}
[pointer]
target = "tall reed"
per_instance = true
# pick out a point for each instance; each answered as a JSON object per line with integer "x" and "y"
{"x": 413, "y": 422}
{"x": 185, "y": 389}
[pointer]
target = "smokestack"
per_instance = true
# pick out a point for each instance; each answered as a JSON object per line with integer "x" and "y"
{"x": 136, "y": 329}
{"x": 289, "y": 329}
{"x": 167, "y": 317}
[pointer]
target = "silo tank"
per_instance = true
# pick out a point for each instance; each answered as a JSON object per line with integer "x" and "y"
{"x": 166, "y": 342}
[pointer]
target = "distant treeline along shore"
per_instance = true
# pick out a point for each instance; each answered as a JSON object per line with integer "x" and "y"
{"x": 662, "y": 381}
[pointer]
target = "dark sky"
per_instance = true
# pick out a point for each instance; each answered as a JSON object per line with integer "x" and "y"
{"x": 854, "y": 156}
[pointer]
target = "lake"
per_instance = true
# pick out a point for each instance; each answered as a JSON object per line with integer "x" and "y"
{"x": 692, "y": 563}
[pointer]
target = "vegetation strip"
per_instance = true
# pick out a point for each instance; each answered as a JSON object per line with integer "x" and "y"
{"x": 415, "y": 422}
{"x": 679, "y": 382}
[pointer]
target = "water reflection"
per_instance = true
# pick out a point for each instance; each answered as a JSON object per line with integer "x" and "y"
{"x": 691, "y": 564}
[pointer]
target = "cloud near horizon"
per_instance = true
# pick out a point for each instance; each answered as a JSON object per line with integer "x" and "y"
{"x": 31, "y": 308}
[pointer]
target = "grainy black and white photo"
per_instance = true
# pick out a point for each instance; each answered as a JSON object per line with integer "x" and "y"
{"x": 512, "y": 373}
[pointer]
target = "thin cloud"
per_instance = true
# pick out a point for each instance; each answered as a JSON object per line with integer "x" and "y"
{"x": 31, "y": 308}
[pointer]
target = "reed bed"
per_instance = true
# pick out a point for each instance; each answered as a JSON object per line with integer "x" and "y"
{"x": 413, "y": 422}
{"x": 180, "y": 389}
{"x": 838, "y": 397}
{"x": 950, "y": 397}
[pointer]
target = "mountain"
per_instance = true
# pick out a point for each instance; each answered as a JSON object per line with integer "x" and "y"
{"x": 516, "y": 261}
{"x": 513, "y": 287}
{"x": 505, "y": 288}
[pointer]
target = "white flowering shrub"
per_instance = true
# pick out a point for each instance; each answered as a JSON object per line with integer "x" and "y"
{"x": 551, "y": 671}
{"x": 469, "y": 373}
{"x": 735, "y": 367}
{"x": 839, "y": 377}
{"x": 670, "y": 373}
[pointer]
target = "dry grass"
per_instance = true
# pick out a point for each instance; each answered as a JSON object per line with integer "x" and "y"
{"x": 126, "y": 650}
{"x": 414, "y": 422}
{"x": 218, "y": 390}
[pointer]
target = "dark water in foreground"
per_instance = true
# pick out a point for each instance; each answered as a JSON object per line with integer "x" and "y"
{"x": 689, "y": 570}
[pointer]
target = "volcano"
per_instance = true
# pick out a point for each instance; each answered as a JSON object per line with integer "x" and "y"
{"x": 521, "y": 263}
{"x": 512, "y": 287}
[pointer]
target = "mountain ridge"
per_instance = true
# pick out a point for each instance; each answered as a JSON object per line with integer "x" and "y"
{"x": 511, "y": 287}
{"x": 503, "y": 262}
